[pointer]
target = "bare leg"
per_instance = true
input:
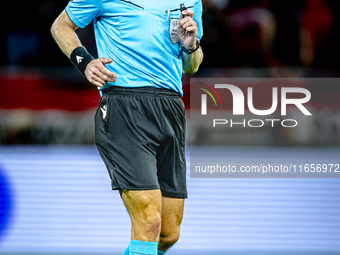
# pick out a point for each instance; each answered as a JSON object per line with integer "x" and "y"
{"x": 144, "y": 208}
{"x": 172, "y": 214}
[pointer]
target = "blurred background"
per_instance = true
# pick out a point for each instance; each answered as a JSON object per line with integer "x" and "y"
{"x": 55, "y": 195}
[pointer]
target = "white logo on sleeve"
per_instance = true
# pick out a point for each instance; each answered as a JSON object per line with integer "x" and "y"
{"x": 103, "y": 111}
{"x": 79, "y": 59}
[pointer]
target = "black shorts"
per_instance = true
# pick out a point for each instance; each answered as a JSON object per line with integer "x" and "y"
{"x": 140, "y": 135}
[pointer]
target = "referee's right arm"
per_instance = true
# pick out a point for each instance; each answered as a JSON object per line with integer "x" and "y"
{"x": 63, "y": 32}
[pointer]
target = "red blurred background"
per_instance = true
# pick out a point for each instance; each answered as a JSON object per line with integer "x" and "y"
{"x": 44, "y": 100}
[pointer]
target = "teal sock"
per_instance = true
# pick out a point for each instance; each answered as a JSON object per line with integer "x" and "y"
{"x": 143, "y": 248}
{"x": 126, "y": 252}
{"x": 161, "y": 252}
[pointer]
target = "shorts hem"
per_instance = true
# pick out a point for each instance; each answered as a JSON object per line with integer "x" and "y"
{"x": 153, "y": 187}
{"x": 174, "y": 194}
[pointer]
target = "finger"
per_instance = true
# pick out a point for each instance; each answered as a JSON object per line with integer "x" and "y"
{"x": 192, "y": 29}
{"x": 183, "y": 21}
{"x": 99, "y": 73}
{"x": 187, "y": 13}
{"x": 107, "y": 72}
{"x": 105, "y": 60}
{"x": 111, "y": 78}
{"x": 104, "y": 70}
{"x": 190, "y": 23}
{"x": 187, "y": 23}
{"x": 92, "y": 76}
{"x": 97, "y": 80}
{"x": 97, "y": 84}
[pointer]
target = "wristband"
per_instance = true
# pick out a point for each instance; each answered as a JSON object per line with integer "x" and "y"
{"x": 191, "y": 51}
{"x": 80, "y": 58}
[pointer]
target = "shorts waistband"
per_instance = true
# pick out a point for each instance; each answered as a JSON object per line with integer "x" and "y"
{"x": 141, "y": 91}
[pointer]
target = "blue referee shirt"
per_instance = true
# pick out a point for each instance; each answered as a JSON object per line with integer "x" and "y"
{"x": 139, "y": 36}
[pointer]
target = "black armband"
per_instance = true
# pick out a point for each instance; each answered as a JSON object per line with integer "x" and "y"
{"x": 80, "y": 58}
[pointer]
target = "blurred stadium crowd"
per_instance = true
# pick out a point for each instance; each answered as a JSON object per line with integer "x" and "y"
{"x": 50, "y": 101}
{"x": 252, "y": 33}
{"x": 271, "y": 33}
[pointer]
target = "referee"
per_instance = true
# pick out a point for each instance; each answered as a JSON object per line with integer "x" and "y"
{"x": 143, "y": 48}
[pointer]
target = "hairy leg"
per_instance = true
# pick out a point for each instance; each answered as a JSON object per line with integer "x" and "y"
{"x": 172, "y": 214}
{"x": 144, "y": 208}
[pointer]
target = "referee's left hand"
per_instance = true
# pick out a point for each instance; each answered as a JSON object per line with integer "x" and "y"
{"x": 187, "y": 30}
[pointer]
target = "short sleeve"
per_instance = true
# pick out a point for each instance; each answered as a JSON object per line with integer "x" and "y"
{"x": 82, "y": 12}
{"x": 198, "y": 18}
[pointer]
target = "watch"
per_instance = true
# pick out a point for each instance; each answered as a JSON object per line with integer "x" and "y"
{"x": 190, "y": 51}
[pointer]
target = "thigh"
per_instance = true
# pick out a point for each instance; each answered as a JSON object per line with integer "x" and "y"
{"x": 144, "y": 207}
{"x": 172, "y": 214}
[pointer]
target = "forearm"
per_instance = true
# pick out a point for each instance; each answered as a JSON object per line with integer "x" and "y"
{"x": 63, "y": 32}
{"x": 192, "y": 62}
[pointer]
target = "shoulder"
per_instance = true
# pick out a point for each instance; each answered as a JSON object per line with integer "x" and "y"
{"x": 198, "y": 2}
{"x": 198, "y": 5}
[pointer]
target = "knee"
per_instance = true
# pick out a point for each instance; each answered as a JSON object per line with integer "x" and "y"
{"x": 144, "y": 208}
{"x": 152, "y": 223}
{"x": 166, "y": 241}
{"x": 151, "y": 217}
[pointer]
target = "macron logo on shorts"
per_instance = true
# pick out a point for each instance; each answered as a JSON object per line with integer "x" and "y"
{"x": 79, "y": 59}
{"x": 103, "y": 111}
